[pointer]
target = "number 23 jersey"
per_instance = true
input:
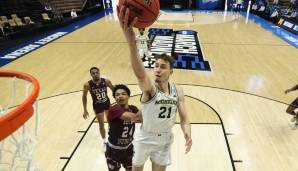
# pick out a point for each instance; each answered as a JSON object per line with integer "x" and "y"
{"x": 159, "y": 113}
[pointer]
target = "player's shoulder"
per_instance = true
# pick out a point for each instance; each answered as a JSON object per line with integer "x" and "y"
{"x": 103, "y": 79}
{"x": 87, "y": 84}
{"x": 115, "y": 111}
{"x": 114, "y": 106}
{"x": 175, "y": 85}
{"x": 106, "y": 80}
{"x": 178, "y": 88}
{"x": 133, "y": 107}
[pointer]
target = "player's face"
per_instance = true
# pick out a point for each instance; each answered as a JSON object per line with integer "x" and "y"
{"x": 162, "y": 70}
{"x": 95, "y": 74}
{"x": 121, "y": 97}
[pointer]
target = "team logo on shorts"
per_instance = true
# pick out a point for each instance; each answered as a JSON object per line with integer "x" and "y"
{"x": 182, "y": 44}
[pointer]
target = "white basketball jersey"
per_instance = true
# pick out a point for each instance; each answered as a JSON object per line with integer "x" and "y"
{"x": 159, "y": 113}
{"x": 142, "y": 41}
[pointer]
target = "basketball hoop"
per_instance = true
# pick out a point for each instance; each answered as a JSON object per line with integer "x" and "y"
{"x": 17, "y": 117}
{"x": 16, "y": 145}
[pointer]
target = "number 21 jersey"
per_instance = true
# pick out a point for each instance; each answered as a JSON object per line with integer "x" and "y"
{"x": 159, "y": 113}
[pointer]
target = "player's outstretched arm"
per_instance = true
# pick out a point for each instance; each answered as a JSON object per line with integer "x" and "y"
{"x": 145, "y": 84}
{"x": 133, "y": 117}
{"x": 184, "y": 121}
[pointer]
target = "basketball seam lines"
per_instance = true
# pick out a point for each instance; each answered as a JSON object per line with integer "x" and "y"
{"x": 148, "y": 9}
{"x": 144, "y": 7}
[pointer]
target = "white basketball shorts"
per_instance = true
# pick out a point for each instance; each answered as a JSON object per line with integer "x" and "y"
{"x": 157, "y": 146}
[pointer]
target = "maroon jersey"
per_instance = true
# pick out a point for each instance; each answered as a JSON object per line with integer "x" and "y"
{"x": 99, "y": 92}
{"x": 120, "y": 131}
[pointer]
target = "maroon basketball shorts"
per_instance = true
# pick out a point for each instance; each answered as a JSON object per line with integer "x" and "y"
{"x": 116, "y": 157}
{"x": 101, "y": 107}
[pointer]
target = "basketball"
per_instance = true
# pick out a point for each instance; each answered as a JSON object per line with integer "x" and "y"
{"x": 147, "y": 11}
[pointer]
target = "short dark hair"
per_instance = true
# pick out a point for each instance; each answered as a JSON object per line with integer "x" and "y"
{"x": 93, "y": 68}
{"x": 166, "y": 57}
{"x": 120, "y": 86}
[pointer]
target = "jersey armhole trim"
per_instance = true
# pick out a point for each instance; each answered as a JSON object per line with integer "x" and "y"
{"x": 150, "y": 100}
{"x": 174, "y": 85}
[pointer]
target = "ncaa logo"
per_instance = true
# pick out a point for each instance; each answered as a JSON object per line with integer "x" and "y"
{"x": 182, "y": 44}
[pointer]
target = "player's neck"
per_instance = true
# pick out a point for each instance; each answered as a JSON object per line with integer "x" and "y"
{"x": 163, "y": 86}
{"x": 96, "y": 81}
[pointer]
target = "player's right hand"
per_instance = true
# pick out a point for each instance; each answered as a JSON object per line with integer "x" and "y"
{"x": 85, "y": 115}
{"x": 188, "y": 142}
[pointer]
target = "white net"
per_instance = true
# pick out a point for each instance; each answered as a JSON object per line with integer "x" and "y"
{"x": 16, "y": 151}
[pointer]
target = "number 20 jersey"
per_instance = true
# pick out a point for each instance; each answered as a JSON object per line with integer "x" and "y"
{"x": 99, "y": 92}
{"x": 159, "y": 113}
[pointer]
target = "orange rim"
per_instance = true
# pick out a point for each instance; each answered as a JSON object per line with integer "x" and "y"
{"x": 11, "y": 121}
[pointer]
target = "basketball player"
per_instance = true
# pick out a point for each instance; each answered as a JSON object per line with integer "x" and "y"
{"x": 238, "y": 6}
{"x": 97, "y": 87}
{"x": 161, "y": 99}
{"x": 143, "y": 44}
{"x": 108, "y": 4}
{"x": 293, "y": 106}
{"x": 121, "y": 120}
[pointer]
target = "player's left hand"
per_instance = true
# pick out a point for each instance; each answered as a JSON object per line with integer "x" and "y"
{"x": 188, "y": 142}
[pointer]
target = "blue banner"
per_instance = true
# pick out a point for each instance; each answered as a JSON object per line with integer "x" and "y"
{"x": 209, "y": 4}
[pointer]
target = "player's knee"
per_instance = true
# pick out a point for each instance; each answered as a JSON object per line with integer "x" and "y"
{"x": 100, "y": 118}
